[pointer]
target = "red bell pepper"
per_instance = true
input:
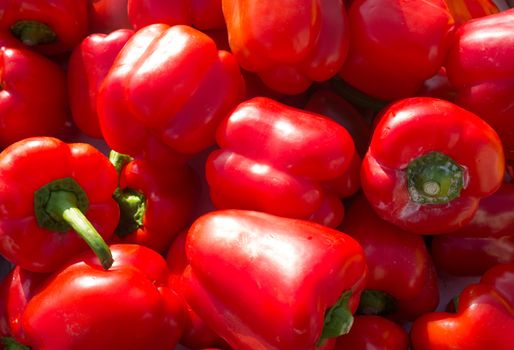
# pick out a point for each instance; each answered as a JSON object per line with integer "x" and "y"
{"x": 464, "y": 10}
{"x": 196, "y": 335}
{"x": 402, "y": 282}
{"x": 48, "y": 189}
{"x": 480, "y": 65}
{"x": 484, "y": 317}
{"x": 201, "y": 14}
{"x": 106, "y": 16}
{"x": 82, "y": 306}
{"x": 267, "y": 282}
{"x": 166, "y": 92}
{"x": 87, "y": 67}
{"x": 155, "y": 203}
{"x": 33, "y": 96}
{"x": 393, "y": 50}
{"x": 429, "y": 163}
{"x": 373, "y": 332}
{"x": 50, "y": 27}
{"x": 288, "y": 58}
{"x": 486, "y": 241}
{"x": 267, "y": 162}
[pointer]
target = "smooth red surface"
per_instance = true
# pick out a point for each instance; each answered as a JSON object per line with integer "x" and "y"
{"x": 166, "y": 93}
{"x": 267, "y": 162}
{"x": 87, "y": 67}
{"x": 413, "y": 127}
{"x": 106, "y": 16}
{"x": 29, "y": 164}
{"x": 288, "y": 58}
{"x": 265, "y": 282}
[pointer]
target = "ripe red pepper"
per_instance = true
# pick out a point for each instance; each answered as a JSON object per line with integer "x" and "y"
{"x": 267, "y": 162}
{"x": 166, "y": 93}
{"x": 486, "y": 241}
{"x": 201, "y": 14}
{"x": 48, "y": 189}
{"x": 429, "y": 163}
{"x": 288, "y": 58}
{"x": 484, "y": 318}
{"x": 33, "y": 96}
{"x": 50, "y": 27}
{"x": 481, "y": 68}
{"x": 156, "y": 203}
{"x": 196, "y": 335}
{"x": 82, "y": 306}
{"x": 88, "y": 65}
{"x": 402, "y": 282}
{"x": 373, "y": 332}
{"x": 106, "y": 16}
{"x": 267, "y": 282}
{"x": 394, "y": 50}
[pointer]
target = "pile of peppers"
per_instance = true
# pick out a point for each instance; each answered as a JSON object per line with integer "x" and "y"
{"x": 256, "y": 175}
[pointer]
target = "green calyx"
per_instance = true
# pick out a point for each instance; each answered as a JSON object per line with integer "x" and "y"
{"x": 376, "y": 302}
{"x": 132, "y": 210}
{"x": 33, "y": 33}
{"x": 119, "y": 160}
{"x": 11, "y": 344}
{"x": 434, "y": 178}
{"x": 60, "y": 206}
{"x": 338, "y": 319}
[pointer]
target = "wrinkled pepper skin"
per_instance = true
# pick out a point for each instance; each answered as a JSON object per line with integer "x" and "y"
{"x": 486, "y": 241}
{"x": 312, "y": 47}
{"x": 394, "y": 50}
{"x": 201, "y": 14}
{"x": 156, "y": 203}
{"x": 429, "y": 163}
{"x": 266, "y": 162}
{"x": 373, "y": 332}
{"x": 106, "y": 16}
{"x": 484, "y": 317}
{"x": 402, "y": 282}
{"x": 88, "y": 65}
{"x": 28, "y": 166}
{"x": 33, "y": 96}
{"x": 50, "y": 27}
{"x": 196, "y": 335}
{"x": 82, "y": 306}
{"x": 265, "y": 282}
{"x": 480, "y": 65}
{"x": 166, "y": 93}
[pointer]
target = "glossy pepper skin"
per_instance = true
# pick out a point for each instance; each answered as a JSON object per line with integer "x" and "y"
{"x": 166, "y": 92}
{"x": 106, "y": 16}
{"x": 312, "y": 47}
{"x": 47, "y": 185}
{"x": 50, "y": 27}
{"x": 201, "y": 14}
{"x": 156, "y": 203}
{"x": 266, "y": 282}
{"x": 196, "y": 334}
{"x": 484, "y": 317}
{"x": 267, "y": 162}
{"x": 88, "y": 65}
{"x": 486, "y": 241}
{"x": 82, "y": 306}
{"x": 402, "y": 282}
{"x": 429, "y": 163}
{"x": 391, "y": 55}
{"x": 480, "y": 66}
{"x": 373, "y": 332}
{"x": 33, "y": 96}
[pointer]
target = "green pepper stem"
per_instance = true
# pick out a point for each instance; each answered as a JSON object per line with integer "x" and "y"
{"x": 132, "y": 205}
{"x": 338, "y": 319}
{"x": 376, "y": 302}
{"x": 357, "y": 97}
{"x": 63, "y": 205}
{"x": 33, "y": 33}
{"x": 11, "y": 344}
{"x": 119, "y": 160}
